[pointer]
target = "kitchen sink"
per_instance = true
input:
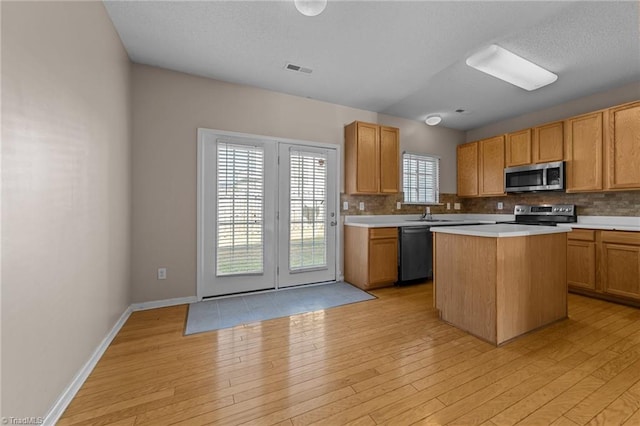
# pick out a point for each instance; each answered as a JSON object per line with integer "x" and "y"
{"x": 430, "y": 220}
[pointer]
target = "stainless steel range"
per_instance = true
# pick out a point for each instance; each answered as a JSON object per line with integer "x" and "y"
{"x": 545, "y": 214}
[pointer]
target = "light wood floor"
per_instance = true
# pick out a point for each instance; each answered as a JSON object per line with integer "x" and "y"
{"x": 385, "y": 361}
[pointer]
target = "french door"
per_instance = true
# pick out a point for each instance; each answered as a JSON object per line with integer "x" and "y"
{"x": 266, "y": 213}
{"x": 307, "y": 225}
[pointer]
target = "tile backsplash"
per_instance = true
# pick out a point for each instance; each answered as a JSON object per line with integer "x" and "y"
{"x": 622, "y": 203}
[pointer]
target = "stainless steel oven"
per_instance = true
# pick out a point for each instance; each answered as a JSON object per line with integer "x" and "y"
{"x": 535, "y": 177}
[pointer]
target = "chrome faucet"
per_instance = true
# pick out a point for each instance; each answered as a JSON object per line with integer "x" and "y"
{"x": 427, "y": 214}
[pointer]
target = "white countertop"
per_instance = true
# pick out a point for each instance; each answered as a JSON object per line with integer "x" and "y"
{"x": 618, "y": 223}
{"x": 610, "y": 223}
{"x": 381, "y": 221}
{"x": 500, "y": 230}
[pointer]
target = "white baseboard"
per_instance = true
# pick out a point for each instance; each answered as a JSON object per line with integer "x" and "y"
{"x": 70, "y": 392}
{"x": 163, "y": 303}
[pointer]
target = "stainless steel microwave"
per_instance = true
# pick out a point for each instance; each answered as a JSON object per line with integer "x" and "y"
{"x": 535, "y": 177}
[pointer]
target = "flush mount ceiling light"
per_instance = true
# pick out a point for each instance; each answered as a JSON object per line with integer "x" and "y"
{"x": 433, "y": 119}
{"x": 310, "y": 7}
{"x": 507, "y": 66}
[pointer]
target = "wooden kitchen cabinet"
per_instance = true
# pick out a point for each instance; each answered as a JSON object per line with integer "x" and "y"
{"x": 372, "y": 155}
{"x": 622, "y": 150}
{"x": 584, "y": 141}
{"x": 581, "y": 259}
{"x": 518, "y": 148}
{"x": 604, "y": 264}
{"x": 467, "y": 179}
{"x": 481, "y": 168}
{"x": 621, "y": 264}
{"x": 491, "y": 166}
{"x": 548, "y": 143}
{"x": 370, "y": 256}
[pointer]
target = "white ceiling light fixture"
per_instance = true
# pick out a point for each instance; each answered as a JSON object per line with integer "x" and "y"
{"x": 433, "y": 119}
{"x": 310, "y": 7}
{"x": 514, "y": 69}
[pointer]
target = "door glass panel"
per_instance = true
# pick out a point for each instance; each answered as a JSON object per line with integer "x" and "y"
{"x": 308, "y": 210}
{"x": 240, "y": 210}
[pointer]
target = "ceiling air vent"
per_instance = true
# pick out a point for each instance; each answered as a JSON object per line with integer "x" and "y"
{"x": 293, "y": 67}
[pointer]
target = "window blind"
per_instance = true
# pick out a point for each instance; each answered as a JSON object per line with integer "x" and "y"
{"x": 308, "y": 210}
{"x": 240, "y": 212}
{"x": 421, "y": 178}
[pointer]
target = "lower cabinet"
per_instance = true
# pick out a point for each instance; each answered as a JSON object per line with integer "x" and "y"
{"x": 581, "y": 259}
{"x": 370, "y": 256}
{"x": 620, "y": 273}
{"x": 604, "y": 264}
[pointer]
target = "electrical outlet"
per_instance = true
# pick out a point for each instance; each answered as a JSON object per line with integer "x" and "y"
{"x": 500, "y": 205}
{"x": 162, "y": 273}
{"x": 345, "y": 205}
{"x": 456, "y": 206}
{"x": 361, "y": 205}
{"x": 398, "y": 205}
{"x": 448, "y": 206}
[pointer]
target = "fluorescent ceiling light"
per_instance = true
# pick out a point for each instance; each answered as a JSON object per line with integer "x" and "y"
{"x": 310, "y": 7}
{"x": 433, "y": 120}
{"x": 507, "y": 66}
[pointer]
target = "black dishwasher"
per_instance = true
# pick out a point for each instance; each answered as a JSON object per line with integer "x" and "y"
{"x": 415, "y": 259}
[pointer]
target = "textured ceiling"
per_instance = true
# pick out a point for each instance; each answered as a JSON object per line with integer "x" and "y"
{"x": 400, "y": 58}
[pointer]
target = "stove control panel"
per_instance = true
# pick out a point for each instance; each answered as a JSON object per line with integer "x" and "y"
{"x": 545, "y": 210}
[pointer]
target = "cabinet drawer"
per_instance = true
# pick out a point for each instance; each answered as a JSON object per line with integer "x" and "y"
{"x": 375, "y": 233}
{"x": 582, "y": 235}
{"x": 621, "y": 237}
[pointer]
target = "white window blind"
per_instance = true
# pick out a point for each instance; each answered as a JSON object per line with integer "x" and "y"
{"x": 240, "y": 215}
{"x": 308, "y": 210}
{"x": 420, "y": 178}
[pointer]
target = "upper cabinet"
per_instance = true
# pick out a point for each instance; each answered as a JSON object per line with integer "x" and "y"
{"x": 547, "y": 143}
{"x": 601, "y": 151}
{"x": 481, "y": 168}
{"x": 491, "y": 166}
{"x": 389, "y": 159}
{"x": 518, "y": 150}
{"x": 467, "y": 155}
{"x": 542, "y": 144}
{"x": 623, "y": 147}
{"x": 584, "y": 152}
{"x": 371, "y": 158}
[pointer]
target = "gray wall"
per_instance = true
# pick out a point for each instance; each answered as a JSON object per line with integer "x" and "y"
{"x": 168, "y": 108}
{"x": 65, "y": 195}
{"x": 620, "y": 95}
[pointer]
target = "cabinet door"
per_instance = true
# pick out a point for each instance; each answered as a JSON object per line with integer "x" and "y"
{"x": 491, "y": 166}
{"x": 383, "y": 261}
{"x": 467, "y": 156}
{"x": 548, "y": 143}
{"x": 623, "y": 147}
{"x": 367, "y": 158}
{"x": 518, "y": 148}
{"x": 581, "y": 264}
{"x": 584, "y": 153}
{"x": 621, "y": 270}
{"x": 389, "y": 159}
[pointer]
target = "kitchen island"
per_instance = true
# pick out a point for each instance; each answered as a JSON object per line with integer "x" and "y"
{"x": 500, "y": 281}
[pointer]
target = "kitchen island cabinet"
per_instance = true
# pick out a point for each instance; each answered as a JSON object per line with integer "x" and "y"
{"x": 498, "y": 282}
